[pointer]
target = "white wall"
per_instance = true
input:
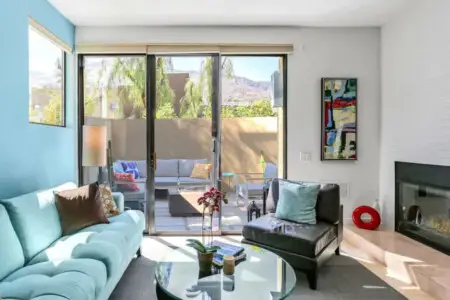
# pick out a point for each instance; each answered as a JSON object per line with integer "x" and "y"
{"x": 317, "y": 53}
{"x": 415, "y": 113}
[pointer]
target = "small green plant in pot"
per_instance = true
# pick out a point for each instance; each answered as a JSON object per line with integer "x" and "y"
{"x": 205, "y": 254}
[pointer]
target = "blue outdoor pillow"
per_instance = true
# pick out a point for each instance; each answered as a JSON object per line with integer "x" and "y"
{"x": 130, "y": 167}
{"x": 297, "y": 202}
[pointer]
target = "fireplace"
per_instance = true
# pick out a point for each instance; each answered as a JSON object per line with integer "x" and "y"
{"x": 422, "y": 203}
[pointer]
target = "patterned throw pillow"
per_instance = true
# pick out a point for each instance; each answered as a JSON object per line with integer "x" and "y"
{"x": 201, "y": 171}
{"x": 131, "y": 187}
{"x": 109, "y": 205}
{"x": 130, "y": 167}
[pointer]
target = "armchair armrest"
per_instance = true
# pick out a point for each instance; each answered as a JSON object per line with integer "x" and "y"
{"x": 120, "y": 200}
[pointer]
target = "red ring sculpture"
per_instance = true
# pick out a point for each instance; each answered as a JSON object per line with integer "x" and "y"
{"x": 374, "y": 221}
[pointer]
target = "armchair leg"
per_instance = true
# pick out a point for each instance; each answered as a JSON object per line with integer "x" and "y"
{"x": 312, "y": 279}
{"x": 138, "y": 253}
{"x": 337, "y": 251}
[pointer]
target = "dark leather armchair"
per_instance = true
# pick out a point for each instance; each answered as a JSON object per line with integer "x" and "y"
{"x": 306, "y": 247}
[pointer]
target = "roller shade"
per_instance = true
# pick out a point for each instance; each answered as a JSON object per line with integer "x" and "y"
{"x": 175, "y": 48}
{"x": 48, "y": 34}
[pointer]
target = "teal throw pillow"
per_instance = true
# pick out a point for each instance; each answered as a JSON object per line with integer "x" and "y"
{"x": 297, "y": 202}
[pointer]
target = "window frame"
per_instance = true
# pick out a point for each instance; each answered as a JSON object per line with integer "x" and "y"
{"x": 63, "y": 78}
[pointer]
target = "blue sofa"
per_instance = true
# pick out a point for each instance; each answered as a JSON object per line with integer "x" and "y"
{"x": 37, "y": 263}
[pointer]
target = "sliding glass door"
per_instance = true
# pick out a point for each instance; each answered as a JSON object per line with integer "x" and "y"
{"x": 184, "y": 135}
{"x": 176, "y": 125}
{"x": 112, "y": 114}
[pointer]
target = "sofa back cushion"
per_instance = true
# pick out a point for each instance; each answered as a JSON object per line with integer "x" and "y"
{"x": 166, "y": 168}
{"x": 327, "y": 205}
{"x": 187, "y": 165}
{"x": 142, "y": 168}
{"x": 11, "y": 253}
{"x": 35, "y": 219}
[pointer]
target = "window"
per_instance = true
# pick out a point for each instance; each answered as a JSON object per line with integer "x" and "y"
{"x": 46, "y": 80}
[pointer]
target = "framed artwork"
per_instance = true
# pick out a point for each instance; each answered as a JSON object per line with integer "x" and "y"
{"x": 339, "y": 118}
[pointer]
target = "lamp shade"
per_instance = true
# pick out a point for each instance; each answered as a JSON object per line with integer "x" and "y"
{"x": 94, "y": 146}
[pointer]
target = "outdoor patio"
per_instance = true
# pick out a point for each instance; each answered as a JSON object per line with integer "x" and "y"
{"x": 233, "y": 217}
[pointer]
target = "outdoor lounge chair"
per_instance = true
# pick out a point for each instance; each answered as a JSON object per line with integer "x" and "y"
{"x": 253, "y": 183}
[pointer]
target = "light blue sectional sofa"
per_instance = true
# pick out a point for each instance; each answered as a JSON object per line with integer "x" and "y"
{"x": 37, "y": 263}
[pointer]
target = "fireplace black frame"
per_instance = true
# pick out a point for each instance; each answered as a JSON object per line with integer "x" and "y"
{"x": 420, "y": 174}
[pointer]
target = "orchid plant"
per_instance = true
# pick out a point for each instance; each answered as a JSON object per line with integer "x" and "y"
{"x": 211, "y": 201}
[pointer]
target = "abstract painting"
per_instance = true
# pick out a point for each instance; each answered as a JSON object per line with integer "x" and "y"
{"x": 339, "y": 107}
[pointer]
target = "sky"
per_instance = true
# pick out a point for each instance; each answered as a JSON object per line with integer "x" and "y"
{"x": 254, "y": 68}
{"x": 43, "y": 55}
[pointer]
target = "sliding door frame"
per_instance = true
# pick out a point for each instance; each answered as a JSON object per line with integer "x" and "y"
{"x": 216, "y": 97}
{"x": 284, "y": 57}
{"x": 151, "y": 145}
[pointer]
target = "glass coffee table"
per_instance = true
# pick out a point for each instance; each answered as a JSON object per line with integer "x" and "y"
{"x": 262, "y": 275}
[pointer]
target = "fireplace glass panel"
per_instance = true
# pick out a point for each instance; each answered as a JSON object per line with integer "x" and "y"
{"x": 425, "y": 213}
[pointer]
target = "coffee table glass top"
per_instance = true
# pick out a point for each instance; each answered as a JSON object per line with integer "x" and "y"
{"x": 262, "y": 275}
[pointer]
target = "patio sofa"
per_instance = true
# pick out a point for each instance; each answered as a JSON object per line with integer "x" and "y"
{"x": 38, "y": 263}
{"x": 169, "y": 173}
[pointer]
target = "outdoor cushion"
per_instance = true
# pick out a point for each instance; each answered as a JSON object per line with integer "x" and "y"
{"x": 11, "y": 253}
{"x": 166, "y": 168}
{"x": 130, "y": 167}
{"x": 166, "y": 181}
{"x": 302, "y": 239}
{"x": 35, "y": 219}
{"x": 71, "y": 285}
{"x": 190, "y": 180}
{"x": 93, "y": 268}
{"x": 142, "y": 168}
{"x": 187, "y": 165}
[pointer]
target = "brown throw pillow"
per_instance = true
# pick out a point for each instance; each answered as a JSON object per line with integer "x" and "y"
{"x": 80, "y": 208}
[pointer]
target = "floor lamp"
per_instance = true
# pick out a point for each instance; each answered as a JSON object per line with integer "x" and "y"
{"x": 95, "y": 149}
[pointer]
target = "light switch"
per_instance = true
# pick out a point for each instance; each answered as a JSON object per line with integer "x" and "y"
{"x": 305, "y": 156}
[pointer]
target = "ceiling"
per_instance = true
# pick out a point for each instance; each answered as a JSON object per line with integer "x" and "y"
{"x": 327, "y": 13}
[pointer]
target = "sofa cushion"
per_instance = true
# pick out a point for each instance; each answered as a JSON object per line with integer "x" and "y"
{"x": 327, "y": 206}
{"x": 93, "y": 268}
{"x": 297, "y": 202}
{"x": 35, "y": 219}
{"x": 166, "y": 168}
{"x": 187, "y": 165}
{"x": 71, "y": 285}
{"x": 79, "y": 208}
{"x": 105, "y": 246}
{"x": 166, "y": 181}
{"x": 142, "y": 168}
{"x": 11, "y": 253}
{"x": 302, "y": 239}
{"x": 190, "y": 180}
{"x": 98, "y": 241}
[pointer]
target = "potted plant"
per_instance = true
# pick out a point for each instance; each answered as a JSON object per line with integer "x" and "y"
{"x": 210, "y": 201}
{"x": 205, "y": 254}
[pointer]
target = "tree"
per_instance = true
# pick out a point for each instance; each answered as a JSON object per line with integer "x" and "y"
{"x": 166, "y": 111}
{"x": 128, "y": 77}
{"x": 53, "y": 111}
{"x": 192, "y": 101}
{"x": 197, "y": 96}
{"x": 259, "y": 108}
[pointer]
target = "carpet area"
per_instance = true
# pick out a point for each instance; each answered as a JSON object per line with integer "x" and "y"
{"x": 342, "y": 278}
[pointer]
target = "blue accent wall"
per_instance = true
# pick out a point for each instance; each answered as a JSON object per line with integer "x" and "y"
{"x": 32, "y": 156}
